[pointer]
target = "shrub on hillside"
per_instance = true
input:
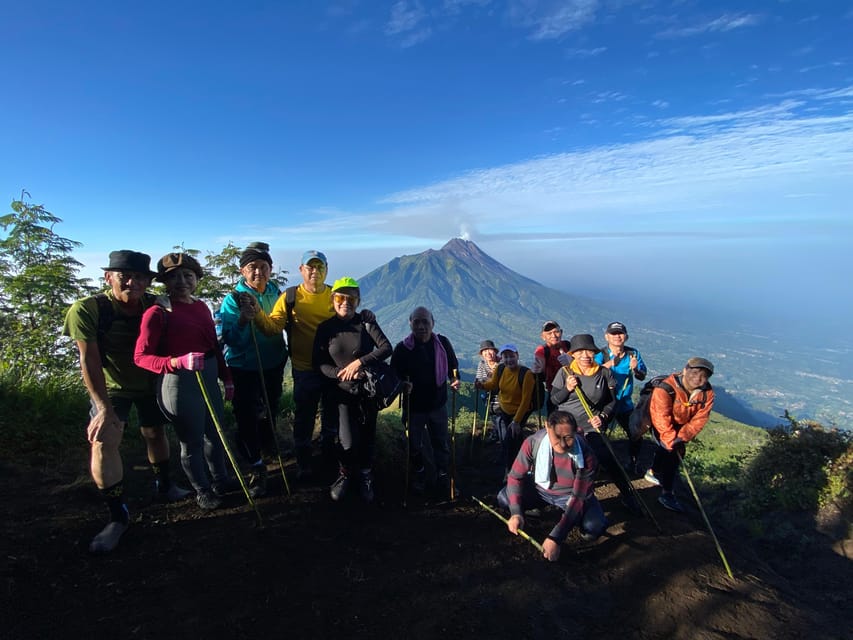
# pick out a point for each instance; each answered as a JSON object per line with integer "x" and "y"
{"x": 802, "y": 467}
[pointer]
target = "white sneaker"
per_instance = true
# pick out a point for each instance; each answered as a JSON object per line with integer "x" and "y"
{"x": 108, "y": 538}
{"x": 651, "y": 477}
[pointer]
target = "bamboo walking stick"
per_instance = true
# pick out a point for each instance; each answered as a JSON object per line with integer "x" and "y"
{"x": 224, "y": 440}
{"x": 705, "y": 516}
{"x": 474, "y": 422}
{"x": 506, "y": 522}
{"x": 269, "y": 407}
{"x": 453, "y": 440}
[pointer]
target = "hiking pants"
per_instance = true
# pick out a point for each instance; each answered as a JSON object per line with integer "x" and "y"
{"x": 510, "y": 444}
{"x": 183, "y": 404}
{"x": 254, "y": 429}
{"x": 357, "y": 435}
{"x": 623, "y": 420}
{"x": 665, "y": 464}
{"x": 309, "y": 388}
{"x": 435, "y": 422}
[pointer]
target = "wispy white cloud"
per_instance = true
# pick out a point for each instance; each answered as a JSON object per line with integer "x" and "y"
{"x": 551, "y": 19}
{"x": 721, "y": 24}
{"x": 408, "y": 23}
{"x": 762, "y": 161}
{"x": 585, "y": 53}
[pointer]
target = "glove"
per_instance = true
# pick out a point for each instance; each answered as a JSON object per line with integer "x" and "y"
{"x": 193, "y": 361}
{"x": 564, "y": 359}
{"x": 229, "y": 390}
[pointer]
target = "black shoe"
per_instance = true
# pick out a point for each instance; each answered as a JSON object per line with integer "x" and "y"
{"x": 207, "y": 501}
{"x": 418, "y": 482}
{"x": 669, "y": 501}
{"x": 339, "y": 488}
{"x": 366, "y": 487}
{"x": 258, "y": 481}
{"x": 632, "y": 468}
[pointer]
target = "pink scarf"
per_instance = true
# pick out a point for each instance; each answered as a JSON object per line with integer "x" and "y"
{"x": 440, "y": 357}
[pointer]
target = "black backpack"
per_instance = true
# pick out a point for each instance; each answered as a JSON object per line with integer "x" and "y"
{"x": 641, "y": 420}
{"x": 539, "y": 391}
{"x": 106, "y": 315}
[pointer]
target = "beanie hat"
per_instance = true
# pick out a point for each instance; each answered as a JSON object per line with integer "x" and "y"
{"x": 255, "y": 251}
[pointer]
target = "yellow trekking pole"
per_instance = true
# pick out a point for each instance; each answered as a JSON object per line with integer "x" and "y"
{"x": 406, "y": 423}
{"x": 453, "y": 439}
{"x": 486, "y": 417}
{"x": 224, "y": 440}
{"x": 269, "y": 407}
{"x": 474, "y": 423}
{"x": 506, "y": 522}
{"x": 704, "y": 516}
{"x": 585, "y": 403}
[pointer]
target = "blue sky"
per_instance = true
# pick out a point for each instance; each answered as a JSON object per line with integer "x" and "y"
{"x": 582, "y": 143}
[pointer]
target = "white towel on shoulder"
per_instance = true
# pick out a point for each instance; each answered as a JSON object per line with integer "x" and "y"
{"x": 543, "y": 462}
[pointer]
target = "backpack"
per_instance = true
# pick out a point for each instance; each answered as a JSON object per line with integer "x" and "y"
{"x": 380, "y": 385}
{"x": 641, "y": 420}
{"x": 539, "y": 391}
{"x": 106, "y": 315}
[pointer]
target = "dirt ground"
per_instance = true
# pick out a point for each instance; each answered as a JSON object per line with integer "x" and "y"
{"x": 434, "y": 568}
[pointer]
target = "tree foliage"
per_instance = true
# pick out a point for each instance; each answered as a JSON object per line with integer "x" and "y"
{"x": 38, "y": 280}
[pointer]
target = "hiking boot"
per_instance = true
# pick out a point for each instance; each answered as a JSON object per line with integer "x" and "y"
{"x": 442, "y": 483}
{"x": 339, "y": 487}
{"x": 207, "y": 501}
{"x": 419, "y": 482}
{"x": 631, "y": 504}
{"x": 108, "y": 538}
{"x": 366, "y": 487}
{"x": 220, "y": 488}
{"x": 651, "y": 477}
{"x": 173, "y": 494}
{"x": 669, "y": 501}
{"x": 258, "y": 481}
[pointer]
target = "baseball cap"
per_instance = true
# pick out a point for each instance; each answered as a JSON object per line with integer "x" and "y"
{"x": 508, "y": 347}
{"x": 550, "y": 324}
{"x": 313, "y": 254}
{"x": 344, "y": 283}
{"x": 616, "y": 327}
{"x": 700, "y": 363}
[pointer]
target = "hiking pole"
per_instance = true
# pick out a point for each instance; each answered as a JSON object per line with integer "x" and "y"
{"x": 486, "y": 417}
{"x": 585, "y": 402}
{"x": 474, "y": 423}
{"x": 269, "y": 407}
{"x": 453, "y": 439}
{"x": 227, "y": 448}
{"x": 704, "y": 516}
{"x": 406, "y": 423}
{"x": 506, "y": 522}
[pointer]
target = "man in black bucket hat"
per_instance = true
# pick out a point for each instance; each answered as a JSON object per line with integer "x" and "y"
{"x": 105, "y": 327}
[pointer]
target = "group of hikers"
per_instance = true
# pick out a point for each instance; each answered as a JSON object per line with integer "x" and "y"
{"x": 163, "y": 356}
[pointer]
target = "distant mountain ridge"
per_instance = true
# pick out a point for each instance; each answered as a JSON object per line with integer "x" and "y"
{"x": 474, "y": 297}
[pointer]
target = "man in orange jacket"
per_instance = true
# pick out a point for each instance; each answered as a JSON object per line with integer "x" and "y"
{"x": 679, "y": 411}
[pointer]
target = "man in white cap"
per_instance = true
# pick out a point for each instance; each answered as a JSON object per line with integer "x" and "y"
{"x": 514, "y": 384}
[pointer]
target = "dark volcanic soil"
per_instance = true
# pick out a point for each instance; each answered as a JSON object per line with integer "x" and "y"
{"x": 433, "y": 569}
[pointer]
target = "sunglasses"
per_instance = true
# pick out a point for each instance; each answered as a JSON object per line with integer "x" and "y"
{"x": 340, "y": 298}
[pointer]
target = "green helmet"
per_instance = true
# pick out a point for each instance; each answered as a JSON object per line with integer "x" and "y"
{"x": 345, "y": 283}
